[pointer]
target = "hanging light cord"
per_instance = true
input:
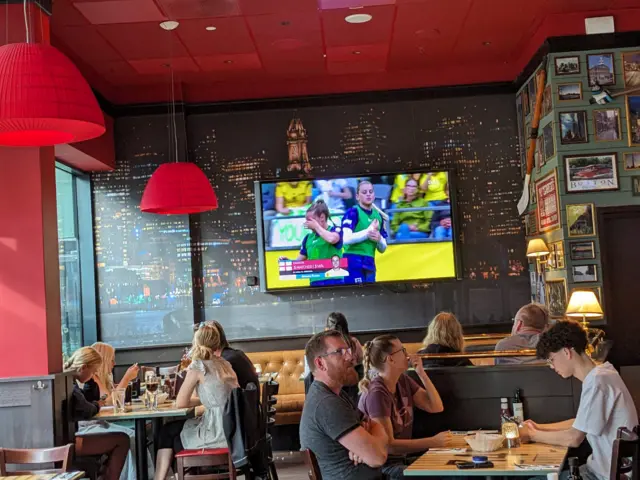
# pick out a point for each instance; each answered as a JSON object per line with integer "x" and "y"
{"x": 173, "y": 115}
{"x": 26, "y": 19}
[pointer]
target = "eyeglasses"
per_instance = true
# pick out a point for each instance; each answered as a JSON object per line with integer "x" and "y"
{"x": 341, "y": 351}
{"x": 403, "y": 350}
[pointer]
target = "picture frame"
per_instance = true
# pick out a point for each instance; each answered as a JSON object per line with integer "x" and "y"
{"x": 596, "y": 172}
{"x": 547, "y": 101}
{"x": 631, "y": 69}
{"x": 531, "y": 225}
{"x": 635, "y": 185}
{"x": 548, "y": 205}
{"x": 533, "y": 199}
{"x": 607, "y": 126}
{"x": 569, "y": 65}
{"x": 551, "y": 259}
{"x": 573, "y": 127}
{"x": 581, "y": 220}
{"x": 539, "y": 153}
{"x": 584, "y": 273}
{"x": 559, "y": 250}
{"x": 601, "y": 69}
{"x": 585, "y": 250}
{"x": 633, "y": 119}
{"x": 525, "y": 103}
{"x": 569, "y": 91}
{"x": 631, "y": 160}
{"x": 556, "y": 297}
{"x": 549, "y": 143}
{"x": 532, "y": 86}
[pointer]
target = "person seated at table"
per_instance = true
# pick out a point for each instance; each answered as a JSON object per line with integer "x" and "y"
{"x": 347, "y": 446}
{"x": 389, "y": 398}
{"x": 410, "y": 225}
{"x": 241, "y": 364}
{"x": 213, "y": 378}
{"x": 444, "y": 335}
{"x": 85, "y": 404}
{"x": 605, "y": 401}
{"x": 338, "y": 321}
{"x": 103, "y": 378}
{"x": 529, "y": 323}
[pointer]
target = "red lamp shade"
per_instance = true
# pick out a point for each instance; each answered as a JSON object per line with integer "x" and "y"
{"x": 44, "y": 100}
{"x": 178, "y": 188}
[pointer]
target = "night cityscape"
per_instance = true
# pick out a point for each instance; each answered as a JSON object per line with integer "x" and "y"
{"x": 146, "y": 283}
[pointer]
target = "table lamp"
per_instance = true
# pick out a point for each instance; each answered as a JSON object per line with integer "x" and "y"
{"x": 584, "y": 304}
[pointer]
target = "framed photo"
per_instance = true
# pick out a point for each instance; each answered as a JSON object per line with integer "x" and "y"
{"x": 582, "y": 250}
{"x": 556, "y": 293}
{"x": 601, "y": 69}
{"x": 531, "y": 225}
{"x": 581, "y": 220}
{"x": 606, "y": 125}
{"x": 547, "y": 101}
{"x": 549, "y": 143}
{"x": 539, "y": 153}
{"x": 591, "y": 173}
{"x": 567, "y": 65}
{"x": 635, "y": 185}
{"x": 548, "y": 206}
{"x": 573, "y": 127}
{"x": 559, "y": 250}
{"x": 532, "y": 87}
{"x": 631, "y": 67}
{"x": 569, "y": 91}
{"x": 532, "y": 193}
{"x": 632, "y": 161}
{"x": 584, "y": 273}
{"x": 633, "y": 119}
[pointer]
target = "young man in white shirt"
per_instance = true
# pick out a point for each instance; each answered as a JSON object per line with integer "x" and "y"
{"x": 605, "y": 402}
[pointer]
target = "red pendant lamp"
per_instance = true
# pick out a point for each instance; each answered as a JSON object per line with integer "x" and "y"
{"x": 177, "y": 188}
{"x": 44, "y": 100}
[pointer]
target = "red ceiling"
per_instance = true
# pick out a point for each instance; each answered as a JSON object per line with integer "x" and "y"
{"x": 276, "y": 48}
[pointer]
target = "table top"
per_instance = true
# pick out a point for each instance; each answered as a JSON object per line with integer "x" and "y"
{"x": 48, "y": 476}
{"x": 548, "y": 458}
{"x": 138, "y": 411}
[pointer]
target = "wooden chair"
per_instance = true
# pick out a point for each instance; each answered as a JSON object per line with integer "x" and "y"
{"x": 625, "y": 457}
{"x": 199, "y": 458}
{"x": 30, "y": 456}
{"x": 311, "y": 461}
{"x": 269, "y": 391}
{"x": 143, "y": 370}
{"x": 170, "y": 371}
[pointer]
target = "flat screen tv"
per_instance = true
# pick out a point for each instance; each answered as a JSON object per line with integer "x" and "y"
{"x": 332, "y": 232}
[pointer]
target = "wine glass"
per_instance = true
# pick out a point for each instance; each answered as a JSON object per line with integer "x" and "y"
{"x": 153, "y": 383}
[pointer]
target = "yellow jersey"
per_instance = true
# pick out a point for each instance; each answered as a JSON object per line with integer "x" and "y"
{"x": 437, "y": 187}
{"x": 295, "y": 194}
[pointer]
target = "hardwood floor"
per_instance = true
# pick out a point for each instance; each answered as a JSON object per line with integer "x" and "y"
{"x": 290, "y": 466}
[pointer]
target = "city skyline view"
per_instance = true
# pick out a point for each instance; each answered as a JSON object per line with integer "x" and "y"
{"x": 146, "y": 284}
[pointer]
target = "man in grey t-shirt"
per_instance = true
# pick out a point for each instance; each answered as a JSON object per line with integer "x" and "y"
{"x": 529, "y": 323}
{"x": 347, "y": 446}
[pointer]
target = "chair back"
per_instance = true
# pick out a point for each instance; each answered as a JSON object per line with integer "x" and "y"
{"x": 31, "y": 456}
{"x": 178, "y": 383}
{"x": 625, "y": 457}
{"x": 170, "y": 371}
{"x": 269, "y": 391}
{"x": 144, "y": 370}
{"x": 311, "y": 462}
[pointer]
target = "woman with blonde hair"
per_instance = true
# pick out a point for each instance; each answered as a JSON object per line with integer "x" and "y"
{"x": 389, "y": 396}
{"x": 213, "y": 379}
{"x": 444, "y": 335}
{"x": 86, "y": 403}
{"x": 102, "y": 381}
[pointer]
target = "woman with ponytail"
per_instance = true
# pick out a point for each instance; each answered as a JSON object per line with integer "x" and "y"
{"x": 213, "y": 379}
{"x": 86, "y": 403}
{"x": 389, "y": 396}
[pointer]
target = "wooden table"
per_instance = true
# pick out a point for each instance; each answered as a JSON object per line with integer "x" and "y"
{"x": 140, "y": 415}
{"x": 442, "y": 464}
{"x": 48, "y": 476}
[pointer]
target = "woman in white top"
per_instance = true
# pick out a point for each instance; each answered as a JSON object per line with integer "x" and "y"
{"x": 213, "y": 379}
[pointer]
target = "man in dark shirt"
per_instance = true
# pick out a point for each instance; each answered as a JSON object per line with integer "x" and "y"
{"x": 241, "y": 364}
{"x": 346, "y": 446}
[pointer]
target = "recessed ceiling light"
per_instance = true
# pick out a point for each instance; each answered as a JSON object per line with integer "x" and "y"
{"x": 486, "y": 44}
{"x": 169, "y": 25}
{"x": 358, "y": 18}
{"x": 228, "y": 62}
{"x": 210, "y": 28}
{"x": 285, "y": 23}
{"x": 356, "y": 52}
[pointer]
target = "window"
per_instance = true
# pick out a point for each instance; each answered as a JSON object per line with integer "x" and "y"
{"x": 75, "y": 249}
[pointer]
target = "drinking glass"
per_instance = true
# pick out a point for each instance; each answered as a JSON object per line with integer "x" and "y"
{"x": 153, "y": 383}
{"x": 119, "y": 395}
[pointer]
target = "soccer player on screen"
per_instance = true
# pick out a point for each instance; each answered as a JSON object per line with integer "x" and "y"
{"x": 363, "y": 233}
{"x": 323, "y": 242}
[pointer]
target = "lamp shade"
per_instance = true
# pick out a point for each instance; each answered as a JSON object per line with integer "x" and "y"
{"x": 177, "y": 189}
{"x": 584, "y": 303}
{"x": 44, "y": 100}
{"x": 537, "y": 248}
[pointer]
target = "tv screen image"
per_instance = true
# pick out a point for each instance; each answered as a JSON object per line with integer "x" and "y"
{"x": 331, "y": 232}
